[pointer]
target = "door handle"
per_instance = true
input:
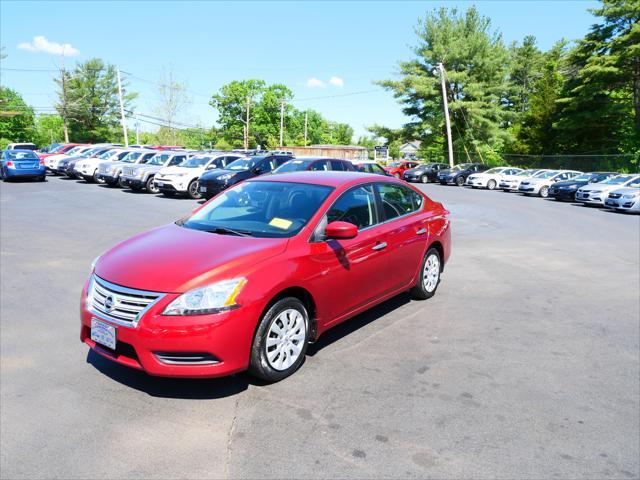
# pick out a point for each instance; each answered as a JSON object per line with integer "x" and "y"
{"x": 380, "y": 246}
{"x": 421, "y": 231}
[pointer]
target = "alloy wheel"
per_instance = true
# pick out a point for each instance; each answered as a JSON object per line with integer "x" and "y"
{"x": 424, "y": 179}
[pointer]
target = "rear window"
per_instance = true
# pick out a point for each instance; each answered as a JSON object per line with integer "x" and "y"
{"x": 16, "y": 155}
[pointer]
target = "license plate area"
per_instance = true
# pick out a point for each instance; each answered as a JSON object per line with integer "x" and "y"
{"x": 103, "y": 333}
{"x": 203, "y": 189}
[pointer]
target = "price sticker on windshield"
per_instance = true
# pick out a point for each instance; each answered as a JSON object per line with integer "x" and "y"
{"x": 280, "y": 223}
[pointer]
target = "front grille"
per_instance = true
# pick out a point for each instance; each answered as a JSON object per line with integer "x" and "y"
{"x": 128, "y": 171}
{"x": 615, "y": 195}
{"x": 123, "y": 305}
{"x": 583, "y": 195}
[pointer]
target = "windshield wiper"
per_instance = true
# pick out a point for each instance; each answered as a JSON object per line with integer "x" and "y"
{"x": 225, "y": 230}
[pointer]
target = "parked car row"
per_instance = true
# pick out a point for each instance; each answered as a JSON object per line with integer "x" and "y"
{"x": 608, "y": 189}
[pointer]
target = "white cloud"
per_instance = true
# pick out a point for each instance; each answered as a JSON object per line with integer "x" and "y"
{"x": 313, "y": 82}
{"x": 336, "y": 82}
{"x": 41, "y": 44}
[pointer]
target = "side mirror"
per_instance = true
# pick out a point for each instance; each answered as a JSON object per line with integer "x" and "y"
{"x": 340, "y": 230}
{"x": 257, "y": 170}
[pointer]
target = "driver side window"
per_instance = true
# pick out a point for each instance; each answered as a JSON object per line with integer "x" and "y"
{"x": 357, "y": 206}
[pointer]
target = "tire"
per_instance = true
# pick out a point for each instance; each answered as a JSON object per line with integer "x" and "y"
{"x": 424, "y": 179}
{"x": 429, "y": 277}
{"x": 460, "y": 181}
{"x": 491, "y": 185}
{"x": 151, "y": 186}
{"x": 42, "y": 178}
{"x": 266, "y": 361}
{"x": 120, "y": 182}
{"x": 192, "y": 190}
{"x": 95, "y": 177}
{"x": 544, "y": 192}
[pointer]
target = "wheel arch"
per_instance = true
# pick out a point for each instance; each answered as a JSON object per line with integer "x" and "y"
{"x": 440, "y": 248}
{"x": 306, "y": 298}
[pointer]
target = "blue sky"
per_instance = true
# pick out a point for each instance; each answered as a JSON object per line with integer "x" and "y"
{"x": 207, "y": 44}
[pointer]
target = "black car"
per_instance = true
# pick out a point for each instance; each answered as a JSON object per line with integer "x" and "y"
{"x": 213, "y": 182}
{"x": 67, "y": 166}
{"x": 315, "y": 165}
{"x": 458, "y": 174}
{"x": 567, "y": 189}
{"x": 425, "y": 173}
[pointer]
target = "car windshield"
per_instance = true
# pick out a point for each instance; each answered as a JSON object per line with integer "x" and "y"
{"x": 260, "y": 209}
{"x": 107, "y": 154}
{"x": 73, "y": 150}
{"x": 462, "y": 166}
{"x": 585, "y": 177}
{"x": 131, "y": 157}
{"x": 293, "y": 166}
{"x": 195, "y": 162}
{"x": 619, "y": 180}
{"x": 549, "y": 174}
{"x": 242, "y": 164}
{"x": 159, "y": 159}
{"x": 17, "y": 155}
{"x": 394, "y": 164}
{"x": 494, "y": 170}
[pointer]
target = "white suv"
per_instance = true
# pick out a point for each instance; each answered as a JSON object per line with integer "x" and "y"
{"x": 540, "y": 183}
{"x": 184, "y": 178}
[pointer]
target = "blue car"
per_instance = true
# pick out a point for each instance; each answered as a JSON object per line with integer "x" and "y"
{"x": 21, "y": 164}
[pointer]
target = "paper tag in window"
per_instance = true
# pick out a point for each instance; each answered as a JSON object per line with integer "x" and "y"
{"x": 280, "y": 223}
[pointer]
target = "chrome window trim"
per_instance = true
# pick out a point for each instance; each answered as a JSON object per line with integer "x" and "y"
{"x": 125, "y": 291}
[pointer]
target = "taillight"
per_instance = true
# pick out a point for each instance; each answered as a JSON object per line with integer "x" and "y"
{"x": 9, "y": 163}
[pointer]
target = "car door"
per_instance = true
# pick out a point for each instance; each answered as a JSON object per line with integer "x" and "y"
{"x": 353, "y": 272}
{"x": 406, "y": 231}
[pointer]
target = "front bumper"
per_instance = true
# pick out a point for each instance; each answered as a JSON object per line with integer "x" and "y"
{"x": 211, "y": 189}
{"x": 225, "y": 337}
{"x": 133, "y": 182}
{"x": 476, "y": 183}
{"x": 591, "y": 198}
{"x": 107, "y": 177}
{"x": 170, "y": 184}
{"x": 630, "y": 205}
{"x": 445, "y": 179}
{"x": 528, "y": 189}
{"x": 562, "y": 194}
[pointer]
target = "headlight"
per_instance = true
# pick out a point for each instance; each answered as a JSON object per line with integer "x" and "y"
{"x": 226, "y": 176}
{"x": 210, "y": 299}
{"x": 629, "y": 197}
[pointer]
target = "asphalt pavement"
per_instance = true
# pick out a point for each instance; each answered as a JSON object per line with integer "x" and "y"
{"x": 524, "y": 365}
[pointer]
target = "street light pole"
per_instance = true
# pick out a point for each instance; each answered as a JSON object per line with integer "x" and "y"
{"x": 447, "y": 120}
{"x": 122, "y": 117}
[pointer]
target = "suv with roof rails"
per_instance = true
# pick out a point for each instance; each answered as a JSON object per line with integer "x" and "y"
{"x": 138, "y": 177}
{"x": 110, "y": 172}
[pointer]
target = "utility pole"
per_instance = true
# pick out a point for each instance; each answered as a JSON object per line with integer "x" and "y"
{"x": 65, "y": 127}
{"x": 281, "y": 123}
{"x": 306, "y": 123}
{"x": 122, "y": 117}
{"x": 447, "y": 120}
{"x": 246, "y": 125}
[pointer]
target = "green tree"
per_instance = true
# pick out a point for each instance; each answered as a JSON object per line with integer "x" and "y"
{"x": 525, "y": 62}
{"x": 17, "y": 120}
{"x": 600, "y": 103}
{"x": 89, "y": 98}
{"x": 48, "y": 129}
{"x": 475, "y": 59}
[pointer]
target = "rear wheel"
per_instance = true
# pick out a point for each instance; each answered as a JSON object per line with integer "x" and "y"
{"x": 151, "y": 186}
{"x": 192, "y": 190}
{"x": 429, "y": 278}
{"x": 424, "y": 179}
{"x": 544, "y": 192}
{"x": 460, "y": 181}
{"x": 280, "y": 341}
{"x": 491, "y": 185}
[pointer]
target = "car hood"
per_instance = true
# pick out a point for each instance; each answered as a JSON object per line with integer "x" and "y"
{"x": 213, "y": 174}
{"x": 176, "y": 169}
{"x": 626, "y": 191}
{"x": 175, "y": 259}
{"x": 599, "y": 187}
{"x": 414, "y": 171}
{"x": 143, "y": 166}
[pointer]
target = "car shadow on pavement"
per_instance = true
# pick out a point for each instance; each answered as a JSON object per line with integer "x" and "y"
{"x": 349, "y": 326}
{"x": 162, "y": 387}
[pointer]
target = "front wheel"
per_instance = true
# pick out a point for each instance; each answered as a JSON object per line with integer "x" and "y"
{"x": 151, "y": 186}
{"x": 192, "y": 190}
{"x": 544, "y": 192}
{"x": 460, "y": 181}
{"x": 120, "y": 182}
{"x": 429, "y": 277}
{"x": 491, "y": 185}
{"x": 424, "y": 179}
{"x": 280, "y": 341}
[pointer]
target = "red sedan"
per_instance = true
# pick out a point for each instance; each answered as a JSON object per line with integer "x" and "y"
{"x": 248, "y": 279}
{"x": 398, "y": 168}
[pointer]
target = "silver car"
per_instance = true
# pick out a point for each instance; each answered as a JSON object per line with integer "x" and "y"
{"x": 625, "y": 199}
{"x": 141, "y": 176}
{"x": 109, "y": 172}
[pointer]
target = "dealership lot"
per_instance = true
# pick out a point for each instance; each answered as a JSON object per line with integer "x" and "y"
{"x": 525, "y": 364}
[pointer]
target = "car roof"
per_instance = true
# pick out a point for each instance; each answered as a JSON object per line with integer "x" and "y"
{"x": 331, "y": 178}
{"x": 18, "y": 150}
